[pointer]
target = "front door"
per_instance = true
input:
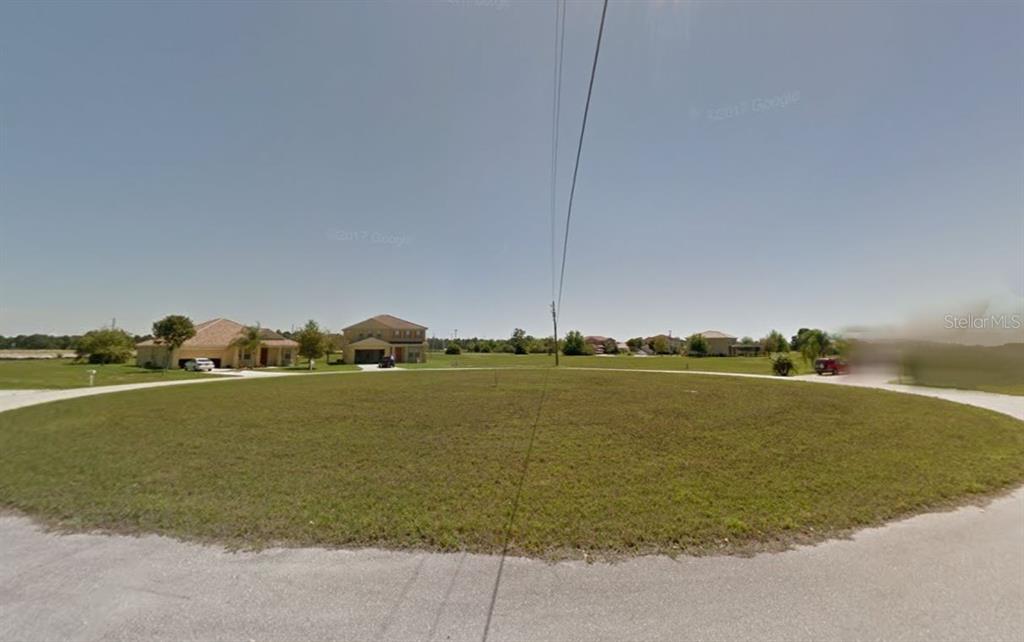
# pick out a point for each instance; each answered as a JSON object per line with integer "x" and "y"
{"x": 400, "y": 355}
{"x": 263, "y": 357}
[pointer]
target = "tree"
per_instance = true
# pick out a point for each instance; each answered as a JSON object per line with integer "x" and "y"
{"x": 106, "y": 345}
{"x": 312, "y": 341}
{"x": 775, "y": 342}
{"x": 610, "y": 347}
{"x": 519, "y": 341}
{"x": 249, "y": 341}
{"x": 747, "y": 341}
{"x": 660, "y": 345}
{"x": 173, "y": 330}
{"x": 814, "y": 343}
{"x": 573, "y": 344}
{"x": 797, "y": 341}
{"x": 697, "y": 345}
{"x": 453, "y": 348}
{"x": 635, "y": 343}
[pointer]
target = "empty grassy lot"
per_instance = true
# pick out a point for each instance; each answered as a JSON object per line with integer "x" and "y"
{"x": 998, "y": 369}
{"x": 743, "y": 365}
{"x": 623, "y": 463}
{"x": 65, "y": 373}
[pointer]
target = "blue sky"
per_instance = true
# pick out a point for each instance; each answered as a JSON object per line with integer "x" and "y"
{"x": 747, "y": 166}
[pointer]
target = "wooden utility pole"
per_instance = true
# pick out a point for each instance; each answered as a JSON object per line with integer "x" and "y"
{"x": 554, "y": 322}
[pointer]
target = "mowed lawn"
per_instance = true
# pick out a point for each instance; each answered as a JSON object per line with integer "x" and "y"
{"x": 65, "y": 373}
{"x": 623, "y": 462}
{"x": 741, "y": 365}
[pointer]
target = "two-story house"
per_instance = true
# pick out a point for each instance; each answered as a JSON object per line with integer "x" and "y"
{"x": 371, "y": 340}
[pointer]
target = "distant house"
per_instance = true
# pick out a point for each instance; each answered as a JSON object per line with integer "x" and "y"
{"x": 719, "y": 343}
{"x": 214, "y": 340}
{"x": 596, "y": 342}
{"x": 384, "y": 335}
{"x": 674, "y": 343}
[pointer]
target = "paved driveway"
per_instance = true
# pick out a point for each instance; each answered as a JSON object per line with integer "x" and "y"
{"x": 942, "y": 576}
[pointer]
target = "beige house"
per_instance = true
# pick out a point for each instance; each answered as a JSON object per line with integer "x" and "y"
{"x": 371, "y": 340}
{"x": 719, "y": 343}
{"x": 214, "y": 340}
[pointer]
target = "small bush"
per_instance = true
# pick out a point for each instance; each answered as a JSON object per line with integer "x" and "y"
{"x": 453, "y": 348}
{"x": 782, "y": 365}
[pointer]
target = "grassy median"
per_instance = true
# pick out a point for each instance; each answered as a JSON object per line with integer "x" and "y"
{"x": 623, "y": 463}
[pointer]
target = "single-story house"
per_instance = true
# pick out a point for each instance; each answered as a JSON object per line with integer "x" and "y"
{"x": 214, "y": 340}
{"x": 719, "y": 343}
{"x": 384, "y": 335}
{"x": 596, "y": 342}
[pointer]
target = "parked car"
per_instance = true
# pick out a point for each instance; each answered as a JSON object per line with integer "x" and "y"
{"x": 831, "y": 365}
{"x": 201, "y": 364}
{"x": 387, "y": 362}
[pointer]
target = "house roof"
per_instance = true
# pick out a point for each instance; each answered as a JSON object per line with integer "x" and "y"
{"x": 595, "y": 338}
{"x": 370, "y": 343}
{"x": 715, "y": 334}
{"x": 389, "y": 321}
{"x": 219, "y": 333}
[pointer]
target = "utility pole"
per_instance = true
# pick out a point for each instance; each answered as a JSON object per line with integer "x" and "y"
{"x": 554, "y": 322}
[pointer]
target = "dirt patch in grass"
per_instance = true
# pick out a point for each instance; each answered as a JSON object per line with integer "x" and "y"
{"x": 623, "y": 463}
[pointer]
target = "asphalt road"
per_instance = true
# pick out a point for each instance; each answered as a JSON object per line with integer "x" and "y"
{"x": 944, "y": 576}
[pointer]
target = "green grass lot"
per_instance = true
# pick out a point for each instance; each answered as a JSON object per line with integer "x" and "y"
{"x": 623, "y": 463}
{"x": 65, "y": 373}
{"x": 743, "y": 365}
{"x": 997, "y": 369}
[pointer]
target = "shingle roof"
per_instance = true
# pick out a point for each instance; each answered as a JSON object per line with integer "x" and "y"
{"x": 715, "y": 334}
{"x": 219, "y": 333}
{"x": 390, "y": 322}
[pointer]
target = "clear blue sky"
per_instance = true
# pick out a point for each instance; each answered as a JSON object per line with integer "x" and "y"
{"x": 747, "y": 166}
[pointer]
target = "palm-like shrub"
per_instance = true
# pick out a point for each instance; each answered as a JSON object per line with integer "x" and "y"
{"x": 249, "y": 342}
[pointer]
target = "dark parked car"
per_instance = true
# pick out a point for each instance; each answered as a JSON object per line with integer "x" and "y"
{"x": 831, "y": 365}
{"x": 387, "y": 362}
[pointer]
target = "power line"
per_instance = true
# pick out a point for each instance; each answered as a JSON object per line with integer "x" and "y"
{"x": 556, "y": 111}
{"x": 559, "y": 27}
{"x": 579, "y": 152}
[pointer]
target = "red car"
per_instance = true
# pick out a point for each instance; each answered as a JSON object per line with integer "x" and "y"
{"x": 831, "y": 365}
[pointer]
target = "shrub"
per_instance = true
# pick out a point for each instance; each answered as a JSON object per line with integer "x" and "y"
{"x": 782, "y": 365}
{"x": 453, "y": 348}
{"x": 574, "y": 345}
{"x": 697, "y": 345}
{"x": 107, "y": 345}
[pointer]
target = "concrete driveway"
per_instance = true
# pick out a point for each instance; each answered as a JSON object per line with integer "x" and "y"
{"x": 943, "y": 576}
